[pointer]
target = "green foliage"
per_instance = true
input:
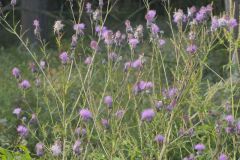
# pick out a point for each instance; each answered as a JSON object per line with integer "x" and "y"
{"x": 22, "y": 154}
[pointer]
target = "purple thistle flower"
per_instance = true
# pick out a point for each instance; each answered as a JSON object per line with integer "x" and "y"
{"x": 192, "y": 35}
{"x": 42, "y": 64}
{"x": 161, "y": 42}
{"x": 238, "y": 128}
{"x": 33, "y": 67}
{"x": 108, "y": 37}
{"x": 215, "y": 24}
{"x": 150, "y": 15}
{"x": 147, "y": 115}
{"x": 25, "y": 84}
{"x": 56, "y": 148}
{"x": 76, "y": 147}
{"x": 119, "y": 114}
{"x": 171, "y": 106}
{"x": 203, "y": 13}
{"x": 170, "y": 93}
{"x": 79, "y": 131}
{"x": 223, "y": 157}
{"x": 64, "y": 57}
{"x": 88, "y": 60}
{"x": 159, "y": 138}
{"x": 36, "y": 23}
{"x": 179, "y": 16}
{"x": 154, "y": 28}
{"x": 74, "y": 41}
{"x": 137, "y": 64}
{"x": 100, "y": 30}
{"x": 100, "y": 3}
{"x": 200, "y": 17}
{"x": 223, "y": 22}
{"x": 158, "y": 105}
{"x": 148, "y": 85}
{"x": 117, "y": 38}
{"x": 17, "y": 112}
{"x": 108, "y": 101}
{"x": 22, "y": 131}
{"x": 191, "y": 48}
{"x": 94, "y": 45}
{"x": 199, "y": 147}
{"x": 13, "y": 2}
{"x": 141, "y": 86}
{"x": 39, "y": 148}
{"x": 58, "y": 26}
{"x": 229, "y": 129}
{"x": 190, "y": 157}
{"x": 129, "y": 28}
{"x": 229, "y": 119}
{"x": 79, "y": 28}
{"x": 112, "y": 56}
{"x": 89, "y": 8}
{"x": 16, "y": 72}
{"x": 232, "y": 23}
{"x": 133, "y": 42}
{"x": 192, "y": 11}
{"x": 85, "y": 114}
{"x": 105, "y": 123}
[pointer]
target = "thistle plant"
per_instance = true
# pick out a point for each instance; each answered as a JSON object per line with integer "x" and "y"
{"x": 131, "y": 94}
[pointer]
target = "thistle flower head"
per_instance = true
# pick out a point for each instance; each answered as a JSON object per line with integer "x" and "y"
{"x": 229, "y": 119}
{"x": 150, "y": 15}
{"x": 77, "y": 147}
{"x": 112, "y": 56}
{"x": 36, "y": 23}
{"x": 159, "y": 138}
{"x": 88, "y": 60}
{"x": 56, "y": 148}
{"x": 89, "y": 8}
{"x": 58, "y": 26}
{"x": 120, "y": 113}
{"x": 25, "y": 84}
{"x": 223, "y": 157}
{"x": 22, "y": 131}
{"x": 179, "y": 16}
{"x": 192, "y": 11}
{"x": 64, "y": 57}
{"x": 94, "y": 45}
{"x": 199, "y": 147}
{"x": 105, "y": 123}
{"x": 13, "y": 2}
{"x": 17, "y": 111}
{"x": 137, "y": 64}
{"x": 191, "y": 49}
{"x": 133, "y": 42}
{"x": 154, "y": 29}
{"x": 39, "y": 148}
{"x": 147, "y": 115}
{"x": 85, "y": 114}
{"x": 108, "y": 101}
{"x": 161, "y": 42}
{"x": 79, "y": 28}
{"x": 16, "y": 72}
{"x": 158, "y": 104}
